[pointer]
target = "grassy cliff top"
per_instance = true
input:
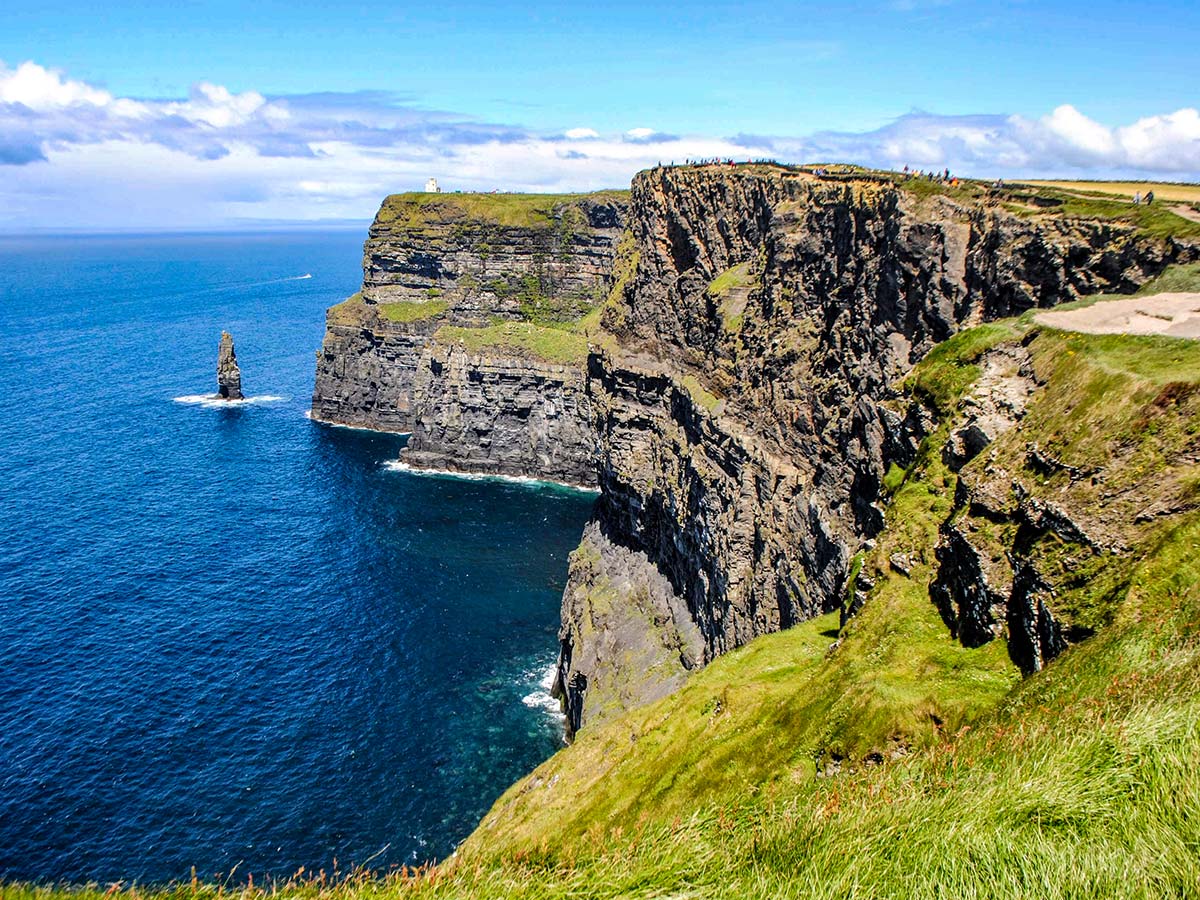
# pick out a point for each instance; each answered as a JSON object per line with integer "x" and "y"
{"x": 508, "y": 210}
{"x": 559, "y": 346}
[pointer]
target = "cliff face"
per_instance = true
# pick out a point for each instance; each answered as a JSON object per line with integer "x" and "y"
{"x": 366, "y": 365}
{"x": 742, "y": 405}
{"x": 476, "y": 250}
{"x": 737, "y": 403}
{"x": 467, "y": 332}
{"x": 503, "y": 414}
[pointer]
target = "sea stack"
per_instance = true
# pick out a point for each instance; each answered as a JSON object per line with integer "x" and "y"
{"x": 229, "y": 376}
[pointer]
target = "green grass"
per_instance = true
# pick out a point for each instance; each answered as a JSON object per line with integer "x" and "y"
{"x": 897, "y": 763}
{"x": 348, "y": 312}
{"x": 734, "y": 277}
{"x": 729, "y": 290}
{"x": 412, "y": 311}
{"x": 699, "y": 393}
{"x": 508, "y": 210}
{"x": 949, "y": 370}
{"x": 551, "y": 345}
{"x": 1155, "y": 220}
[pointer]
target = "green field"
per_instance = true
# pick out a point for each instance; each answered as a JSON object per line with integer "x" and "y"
{"x": 508, "y": 210}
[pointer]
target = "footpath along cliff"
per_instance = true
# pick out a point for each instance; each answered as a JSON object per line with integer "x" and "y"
{"x": 741, "y": 404}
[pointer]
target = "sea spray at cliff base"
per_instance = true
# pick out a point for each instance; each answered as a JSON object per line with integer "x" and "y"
{"x": 231, "y": 637}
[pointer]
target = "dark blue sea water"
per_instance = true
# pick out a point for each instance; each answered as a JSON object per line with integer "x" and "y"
{"x": 231, "y": 637}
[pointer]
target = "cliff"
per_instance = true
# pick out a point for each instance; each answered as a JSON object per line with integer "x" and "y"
{"x": 470, "y": 331}
{"x": 886, "y": 755}
{"x": 742, "y": 393}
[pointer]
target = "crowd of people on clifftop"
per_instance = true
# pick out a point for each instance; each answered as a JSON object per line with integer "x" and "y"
{"x": 942, "y": 177}
{"x": 716, "y": 161}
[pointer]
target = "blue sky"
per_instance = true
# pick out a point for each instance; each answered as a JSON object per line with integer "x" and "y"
{"x": 359, "y": 99}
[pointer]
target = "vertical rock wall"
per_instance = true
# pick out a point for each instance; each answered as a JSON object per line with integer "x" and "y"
{"x": 743, "y": 436}
{"x": 444, "y": 270}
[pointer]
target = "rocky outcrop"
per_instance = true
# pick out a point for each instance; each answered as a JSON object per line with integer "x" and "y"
{"x": 488, "y": 254}
{"x": 501, "y": 415}
{"x": 395, "y": 358}
{"x": 365, "y": 367}
{"x": 229, "y": 376}
{"x": 626, "y": 635}
{"x": 744, "y": 435}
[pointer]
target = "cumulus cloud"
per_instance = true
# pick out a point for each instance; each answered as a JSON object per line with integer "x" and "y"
{"x": 1064, "y": 143}
{"x": 37, "y": 88}
{"x": 73, "y": 153}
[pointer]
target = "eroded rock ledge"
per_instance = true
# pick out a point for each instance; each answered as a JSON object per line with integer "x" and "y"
{"x": 744, "y": 409}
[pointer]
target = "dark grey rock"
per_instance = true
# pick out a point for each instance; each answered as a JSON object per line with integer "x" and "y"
{"x": 229, "y": 376}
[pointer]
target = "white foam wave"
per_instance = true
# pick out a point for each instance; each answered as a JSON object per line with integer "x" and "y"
{"x": 214, "y": 401}
{"x": 308, "y": 414}
{"x": 540, "y": 698}
{"x": 399, "y": 465}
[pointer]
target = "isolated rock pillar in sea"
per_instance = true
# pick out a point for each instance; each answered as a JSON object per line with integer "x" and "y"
{"x": 229, "y": 376}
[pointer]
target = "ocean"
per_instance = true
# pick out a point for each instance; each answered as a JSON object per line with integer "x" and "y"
{"x": 232, "y": 638}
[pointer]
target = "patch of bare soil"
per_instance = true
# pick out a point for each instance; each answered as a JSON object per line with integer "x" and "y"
{"x": 1176, "y": 315}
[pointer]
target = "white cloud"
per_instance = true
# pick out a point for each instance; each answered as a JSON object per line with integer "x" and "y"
{"x": 71, "y": 153}
{"x": 37, "y": 88}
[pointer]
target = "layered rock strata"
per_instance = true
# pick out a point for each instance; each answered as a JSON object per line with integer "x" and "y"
{"x": 461, "y": 297}
{"x": 502, "y": 414}
{"x": 229, "y": 376}
{"x": 741, "y": 409}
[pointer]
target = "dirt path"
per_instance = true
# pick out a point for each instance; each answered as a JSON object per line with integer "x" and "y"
{"x": 1187, "y": 212}
{"x": 1176, "y": 315}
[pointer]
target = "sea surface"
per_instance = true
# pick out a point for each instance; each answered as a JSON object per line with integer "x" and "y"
{"x": 230, "y": 637}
